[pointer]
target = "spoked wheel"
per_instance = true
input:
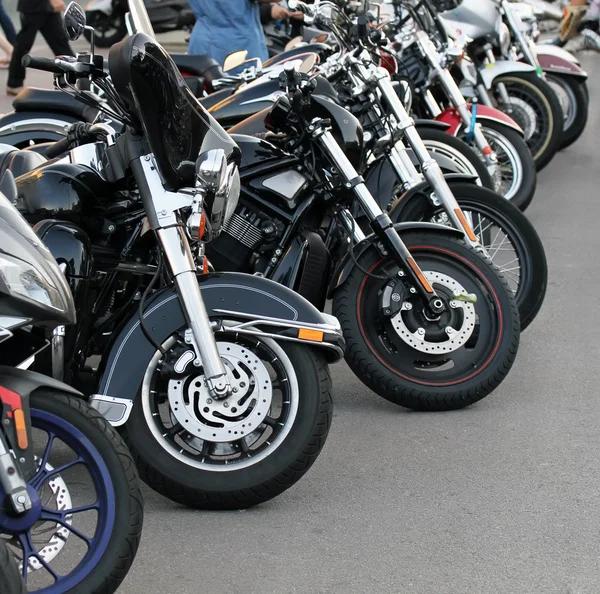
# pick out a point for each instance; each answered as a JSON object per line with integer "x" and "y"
{"x": 509, "y": 238}
{"x": 417, "y": 360}
{"x": 83, "y": 530}
{"x": 11, "y": 581}
{"x": 572, "y": 95}
{"x": 535, "y": 107}
{"x": 516, "y": 167}
{"x": 239, "y": 451}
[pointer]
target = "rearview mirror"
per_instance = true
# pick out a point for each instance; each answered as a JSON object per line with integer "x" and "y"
{"x": 74, "y": 21}
{"x": 235, "y": 60}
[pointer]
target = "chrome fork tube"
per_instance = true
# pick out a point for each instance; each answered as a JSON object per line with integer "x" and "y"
{"x": 404, "y": 167}
{"x": 429, "y": 166}
{"x": 513, "y": 24}
{"x": 58, "y": 353}
{"x": 159, "y": 205}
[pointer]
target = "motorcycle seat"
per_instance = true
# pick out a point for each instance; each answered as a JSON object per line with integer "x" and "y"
{"x": 32, "y": 99}
{"x": 198, "y": 65}
{"x": 18, "y": 162}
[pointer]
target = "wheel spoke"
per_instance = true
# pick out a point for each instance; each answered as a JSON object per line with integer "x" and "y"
{"x": 52, "y": 516}
{"x": 270, "y": 421}
{"x": 43, "y": 475}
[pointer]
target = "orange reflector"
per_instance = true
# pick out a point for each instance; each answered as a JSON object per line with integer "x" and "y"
{"x": 465, "y": 224}
{"x": 202, "y": 226}
{"x": 21, "y": 429}
{"x": 487, "y": 150}
{"x": 314, "y": 335}
{"x": 420, "y": 276}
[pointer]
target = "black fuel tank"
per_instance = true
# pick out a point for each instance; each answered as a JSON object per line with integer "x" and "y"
{"x": 60, "y": 191}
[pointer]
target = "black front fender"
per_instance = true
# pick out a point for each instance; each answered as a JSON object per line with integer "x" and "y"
{"x": 249, "y": 297}
{"x": 347, "y": 264}
{"x": 25, "y": 382}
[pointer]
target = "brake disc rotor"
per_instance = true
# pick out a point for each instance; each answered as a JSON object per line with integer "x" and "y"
{"x": 455, "y": 337}
{"x": 229, "y": 419}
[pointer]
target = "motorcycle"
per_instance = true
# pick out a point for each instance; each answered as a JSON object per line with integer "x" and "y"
{"x": 498, "y": 139}
{"x": 514, "y": 87}
{"x": 560, "y": 68}
{"x": 392, "y": 177}
{"x": 107, "y": 18}
{"x": 219, "y": 382}
{"x": 71, "y": 509}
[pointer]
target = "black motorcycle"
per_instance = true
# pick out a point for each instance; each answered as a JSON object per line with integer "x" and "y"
{"x": 219, "y": 381}
{"x": 70, "y": 503}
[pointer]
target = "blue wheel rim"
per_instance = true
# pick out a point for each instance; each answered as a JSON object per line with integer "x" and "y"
{"x": 104, "y": 506}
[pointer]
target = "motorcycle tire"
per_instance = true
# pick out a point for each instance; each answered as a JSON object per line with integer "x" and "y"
{"x": 441, "y": 370}
{"x": 528, "y": 91}
{"x": 11, "y": 581}
{"x": 115, "y": 501}
{"x": 109, "y": 29}
{"x": 515, "y": 160}
{"x": 267, "y": 457}
{"x": 574, "y": 92}
{"x": 466, "y": 159}
{"x": 501, "y": 228}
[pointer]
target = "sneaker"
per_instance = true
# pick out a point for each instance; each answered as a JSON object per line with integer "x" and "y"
{"x": 591, "y": 40}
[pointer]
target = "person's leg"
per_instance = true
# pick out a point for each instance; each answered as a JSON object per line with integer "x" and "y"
{"x": 54, "y": 33}
{"x": 7, "y": 48}
{"x": 7, "y": 25}
{"x": 30, "y": 24}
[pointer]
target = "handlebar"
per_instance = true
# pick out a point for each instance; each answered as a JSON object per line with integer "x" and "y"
{"x": 46, "y": 64}
{"x": 58, "y": 148}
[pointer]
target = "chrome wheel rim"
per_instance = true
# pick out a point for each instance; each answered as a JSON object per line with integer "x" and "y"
{"x": 509, "y": 163}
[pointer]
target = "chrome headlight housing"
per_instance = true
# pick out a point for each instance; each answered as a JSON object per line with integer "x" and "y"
{"x": 221, "y": 182}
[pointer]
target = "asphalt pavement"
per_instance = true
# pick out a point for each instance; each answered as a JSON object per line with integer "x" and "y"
{"x": 498, "y": 498}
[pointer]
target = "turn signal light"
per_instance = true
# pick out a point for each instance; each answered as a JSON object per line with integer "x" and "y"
{"x": 21, "y": 429}
{"x": 307, "y": 334}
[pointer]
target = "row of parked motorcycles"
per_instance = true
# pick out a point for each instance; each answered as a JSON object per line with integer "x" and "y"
{"x": 174, "y": 230}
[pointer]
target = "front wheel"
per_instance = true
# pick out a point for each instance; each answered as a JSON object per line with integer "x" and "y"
{"x": 574, "y": 100}
{"x": 517, "y": 178}
{"x": 85, "y": 524}
{"x": 416, "y": 360}
{"x": 532, "y": 103}
{"x": 240, "y": 451}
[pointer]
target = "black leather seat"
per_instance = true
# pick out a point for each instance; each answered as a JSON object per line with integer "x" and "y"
{"x": 32, "y": 99}
{"x": 198, "y": 65}
{"x": 18, "y": 162}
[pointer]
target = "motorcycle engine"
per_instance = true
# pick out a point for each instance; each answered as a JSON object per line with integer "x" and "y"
{"x": 246, "y": 236}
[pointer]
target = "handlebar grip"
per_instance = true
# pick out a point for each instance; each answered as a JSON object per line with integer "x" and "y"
{"x": 362, "y": 27}
{"x": 58, "y": 148}
{"x": 46, "y": 64}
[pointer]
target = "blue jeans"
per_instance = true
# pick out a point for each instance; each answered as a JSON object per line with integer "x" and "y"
{"x": 7, "y": 25}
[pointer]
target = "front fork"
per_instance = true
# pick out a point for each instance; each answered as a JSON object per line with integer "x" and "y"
{"x": 430, "y": 168}
{"x": 457, "y": 99}
{"x": 161, "y": 207}
{"x": 380, "y": 221}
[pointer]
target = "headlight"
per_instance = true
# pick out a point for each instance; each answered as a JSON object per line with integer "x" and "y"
{"x": 221, "y": 181}
{"x": 504, "y": 38}
{"x": 23, "y": 281}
